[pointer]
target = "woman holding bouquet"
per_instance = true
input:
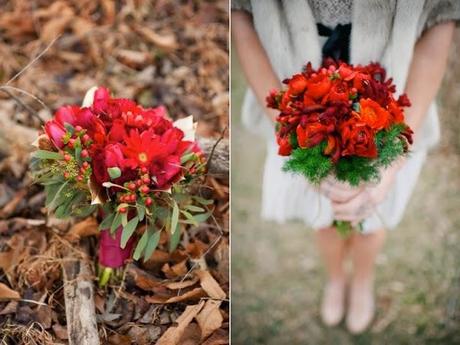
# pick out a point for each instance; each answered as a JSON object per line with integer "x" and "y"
{"x": 411, "y": 39}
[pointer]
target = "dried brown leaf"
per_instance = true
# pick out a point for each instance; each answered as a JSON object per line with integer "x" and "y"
{"x": 7, "y": 293}
{"x": 174, "y": 333}
{"x": 210, "y": 285}
{"x": 85, "y": 228}
{"x": 209, "y": 318}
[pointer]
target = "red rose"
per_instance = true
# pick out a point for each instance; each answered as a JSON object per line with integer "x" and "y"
{"x": 372, "y": 114}
{"x": 285, "y": 147}
{"x": 297, "y": 84}
{"x": 55, "y": 132}
{"x": 357, "y": 139}
{"x": 310, "y": 134}
{"x": 318, "y": 86}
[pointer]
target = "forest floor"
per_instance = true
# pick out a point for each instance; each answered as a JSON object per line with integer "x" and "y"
{"x": 277, "y": 277}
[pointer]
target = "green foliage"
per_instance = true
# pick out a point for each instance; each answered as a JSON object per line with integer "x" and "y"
{"x": 315, "y": 166}
{"x": 309, "y": 162}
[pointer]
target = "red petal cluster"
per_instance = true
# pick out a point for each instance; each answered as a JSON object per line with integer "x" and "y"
{"x": 343, "y": 105}
{"x": 142, "y": 143}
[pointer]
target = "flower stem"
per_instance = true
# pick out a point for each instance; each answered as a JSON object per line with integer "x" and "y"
{"x": 104, "y": 276}
{"x": 345, "y": 229}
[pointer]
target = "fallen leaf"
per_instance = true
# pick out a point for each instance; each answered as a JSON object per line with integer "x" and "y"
{"x": 182, "y": 284}
{"x": 6, "y": 293}
{"x": 209, "y": 284}
{"x": 174, "y": 333}
{"x": 194, "y": 294}
{"x": 85, "y": 228}
{"x": 209, "y": 318}
{"x": 165, "y": 41}
{"x": 220, "y": 337}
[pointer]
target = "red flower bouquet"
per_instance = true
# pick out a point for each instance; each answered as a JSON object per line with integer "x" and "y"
{"x": 133, "y": 165}
{"x": 340, "y": 120}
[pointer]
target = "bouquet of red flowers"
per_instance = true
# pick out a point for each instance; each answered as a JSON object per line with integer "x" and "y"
{"x": 133, "y": 165}
{"x": 340, "y": 120}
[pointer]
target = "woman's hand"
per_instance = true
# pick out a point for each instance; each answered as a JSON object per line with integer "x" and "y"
{"x": 353, "y": 204}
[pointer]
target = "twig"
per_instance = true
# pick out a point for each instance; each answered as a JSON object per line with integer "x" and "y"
{"x": 211, "y": 154}
{"x": 33, "y": 61}
{"x": 26, "y": 93}
{"x": 28, "y": 108}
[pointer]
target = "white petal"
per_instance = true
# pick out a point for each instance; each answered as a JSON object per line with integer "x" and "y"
{"x": 89, "y": 97}
{"x": 187, "y": 126}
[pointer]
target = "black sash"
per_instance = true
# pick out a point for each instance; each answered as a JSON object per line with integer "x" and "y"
{"x": 337, "y": 45}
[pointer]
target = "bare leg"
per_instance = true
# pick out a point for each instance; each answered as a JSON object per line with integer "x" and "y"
{"x": 363, "y": 251}
{"x": 332, "y": 248}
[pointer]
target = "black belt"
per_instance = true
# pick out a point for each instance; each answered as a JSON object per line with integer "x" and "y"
{"x": 337, "y": 45}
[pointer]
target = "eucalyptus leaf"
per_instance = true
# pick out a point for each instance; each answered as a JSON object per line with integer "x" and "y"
{"x": 154, "y": 239}
{"x": 175, "y": 238}
{"x": 141, "y": 245}
{"x": 203, "y": 201}
{"x": 194, "y": 208}
{"x": 174, "y": 217}
{"x": 202, "y": 217}
{"x": 44, "y": 154}
{"x": 114, "y": 172}
{"x": 190, "y": 217}
{"x": 107, "y": 222}
{"x": 128, "y": 231}
{"x": 116, "y": 222}
{"x": 140, "y": 211}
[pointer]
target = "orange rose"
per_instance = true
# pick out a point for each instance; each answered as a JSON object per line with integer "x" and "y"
{"x": 372, "y": 114}
{"x": 297, "y": 84}
{"x": 318, "y": 86}
{"x": 357, "y": 139}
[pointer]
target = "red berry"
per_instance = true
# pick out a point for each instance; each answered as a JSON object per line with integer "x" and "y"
{"x": 122, "y": 210}
{"x": 79, "y": 178}
{"x": 144, "y": 189}
{"x": 84, "y": 153}
{"x": 86, "y": 138}
{"x": 85, "y": 165}
{"x": 146, "y": 180}
{"x": 82, "y": 170}
{"x": 139, "y": 182}
{"x": 78, "y": 128}
{"x": 132, "y": 198}
{"x": 122, "y": 198}
{"x": 132, "y": 186}
{"x": 148, "y": 201}
{"x": 144, "y": 170}
{"x": 66, "y": 175}
{"x": 67, "y": 157}
{"x": 71, "y": 142}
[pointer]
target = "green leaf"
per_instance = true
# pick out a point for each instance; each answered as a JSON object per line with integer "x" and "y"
{"x": 51, "y": 191}
{"x": 85, "y": 211}
{"x": 141, "y": 245}
{"x": 175, "y": 238}
{"x": 107, "y": 222}
{"x": 116, "y": 222}
{"x": 189, "y": 217}
{"x": 140, "y": 211}
{"x": 69, "y": 127}
{"x": 124, "y": 219}
{"x": 154, "y": 239}
{"x": 202, "y": 217}
{"x": 56, "y": 200}
{"x": 114, "y": 172}
{"x": 194, "y": 208}
{"x": 43, "y": 154}
{"x": 186, "y": 157}
{"x": 174, "y": 217}
{"x": 203, "y": 201}
{"x": 128, "y": 231}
